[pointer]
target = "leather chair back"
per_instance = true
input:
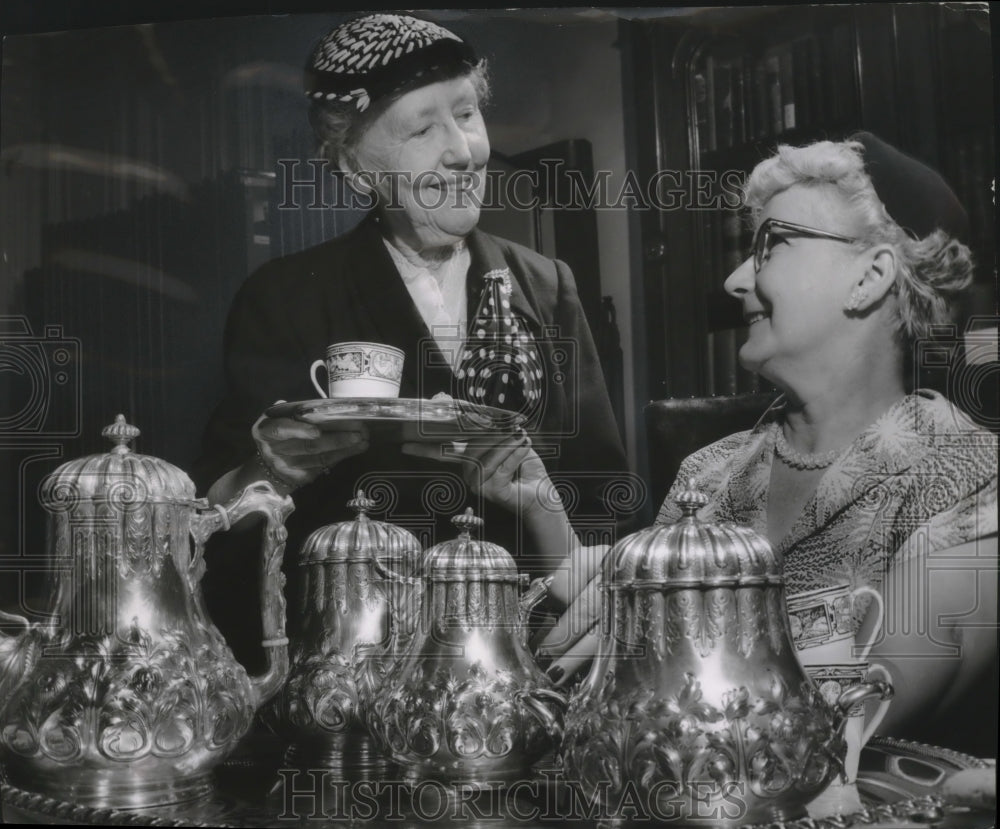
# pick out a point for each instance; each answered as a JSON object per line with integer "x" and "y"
{"x": 676, "y": 427}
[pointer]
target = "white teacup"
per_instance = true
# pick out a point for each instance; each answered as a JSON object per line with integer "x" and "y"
{"x": 832, "y": 681}
{"x": 822, "y": 623}
{"x": 359, "y": 369}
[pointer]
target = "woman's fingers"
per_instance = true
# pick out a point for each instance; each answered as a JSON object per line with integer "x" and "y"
{"x": 272, "y": 429}
{"x": 562, "y": 670}
{"x": 505, "y": 459}
{"x": 481, "y": 460}
{"x": 301, "y": 451}
{"x": 491, "y": 472}
{"x": 345, "y": 447}
{"x": 579, "y": 618}
{"x": 297, "y": 448}
{"x": 327, "y": 446}
{"x": 576, "y": 571}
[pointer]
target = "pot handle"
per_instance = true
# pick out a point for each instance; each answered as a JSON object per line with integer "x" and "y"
{"x": 258, "y": 497}
{"x": 404, "y": 610}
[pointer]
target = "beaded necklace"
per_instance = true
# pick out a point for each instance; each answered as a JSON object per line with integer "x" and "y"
{"x": 802, "y": 460}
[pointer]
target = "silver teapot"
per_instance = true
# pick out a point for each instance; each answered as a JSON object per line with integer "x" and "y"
{"x": 466, "y": 703}
{"x": 696, "y": 708}
{"x": 348, "y": 636}
{"x": 128, "y": 695}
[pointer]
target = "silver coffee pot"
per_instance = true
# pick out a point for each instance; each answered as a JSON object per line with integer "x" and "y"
{"x": 348, "y": 636}
{"x": 128, "y": 695}
{"x": 696, "y": 709}
{"x": 466, "y": 702}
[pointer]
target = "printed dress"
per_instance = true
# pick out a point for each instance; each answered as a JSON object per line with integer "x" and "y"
{"x": 922, "y": 473}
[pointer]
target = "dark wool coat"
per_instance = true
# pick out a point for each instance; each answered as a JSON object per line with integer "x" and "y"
{"x": 292, "y": 308}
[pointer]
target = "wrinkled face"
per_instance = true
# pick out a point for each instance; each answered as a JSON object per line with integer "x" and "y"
{"x": 427, "y": 156}
{"x": 794, "y": 305}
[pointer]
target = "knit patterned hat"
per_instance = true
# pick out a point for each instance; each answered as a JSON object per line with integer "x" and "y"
{"x": 381, "y": 54}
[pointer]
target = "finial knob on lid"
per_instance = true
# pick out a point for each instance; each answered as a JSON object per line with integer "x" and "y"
{"x": 361, "y": 504}
{"x": 121, "y": 433}
{"x": 467, "y": 521}
{"x": 690, "y": 500}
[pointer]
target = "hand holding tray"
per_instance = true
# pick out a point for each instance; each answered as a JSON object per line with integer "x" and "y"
{"x": 402, "y": 419}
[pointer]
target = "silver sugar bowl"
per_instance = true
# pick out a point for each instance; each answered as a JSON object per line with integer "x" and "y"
{"x": 128, "y": 696}
{"x": 466, "y": 703}
{"x": 348, "y": 636}
{"x": 696, "y": 707}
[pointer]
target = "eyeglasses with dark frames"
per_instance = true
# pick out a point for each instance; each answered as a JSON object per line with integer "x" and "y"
{"x": 764, "y": 238}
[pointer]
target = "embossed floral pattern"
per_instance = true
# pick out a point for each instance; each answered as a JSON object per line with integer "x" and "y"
{"x": 331, "y": 692}
{"x": 767, "y": 739}
{"x": 472, "y": 715}
{"x": 126, "y": 698}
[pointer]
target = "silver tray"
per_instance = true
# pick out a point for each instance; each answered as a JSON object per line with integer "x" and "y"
{"x": 899, "y": 783}
{"x": 403, "y": 418}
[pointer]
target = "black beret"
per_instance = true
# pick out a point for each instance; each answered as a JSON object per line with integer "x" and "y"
{"x": 382, "y": 54}
{"x": 917, "y": 198}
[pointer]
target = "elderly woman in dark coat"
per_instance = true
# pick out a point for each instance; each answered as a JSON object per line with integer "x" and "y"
{"x": 396, "y": 103}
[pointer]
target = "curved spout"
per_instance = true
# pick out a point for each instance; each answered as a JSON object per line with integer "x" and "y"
{"x": 866, "y": 690}
{"x": 550, "y": 715}
{"x": 6, "y": 640}
{"x": 532, "y": 596}
{"x": 871, "y": 689}
{"x": 18, "y": 655}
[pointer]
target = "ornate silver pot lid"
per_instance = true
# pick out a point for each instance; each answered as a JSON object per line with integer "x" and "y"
{"x": 469, "y": 559}
{"x": 358, "y": 539}
{"x": 692, "y": 553}
{"x": 120, "y": 477}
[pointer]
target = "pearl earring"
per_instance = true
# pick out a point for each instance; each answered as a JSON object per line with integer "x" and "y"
{"x": 858, "y": 296}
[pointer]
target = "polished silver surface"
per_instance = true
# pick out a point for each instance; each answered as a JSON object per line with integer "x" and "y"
{"x": 900, "y": 784}
{"x": 347, "y": 642}
{"x": 696, "y": 705}
{"x": 128, "y": 695}
{"x": 466, "y": 702}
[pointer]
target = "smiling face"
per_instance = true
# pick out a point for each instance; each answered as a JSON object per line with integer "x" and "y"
{"x": 427, "y": 154}
{"x": 795, "y": 305}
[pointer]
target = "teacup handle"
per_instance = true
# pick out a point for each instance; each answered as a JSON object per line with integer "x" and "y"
{"x": 866, "y": 646}
{"x": 312, "y": 376}
{"x": 883, "y": 706}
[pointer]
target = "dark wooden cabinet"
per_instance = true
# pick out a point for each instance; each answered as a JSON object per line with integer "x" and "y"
{"x": 718, "y": 89}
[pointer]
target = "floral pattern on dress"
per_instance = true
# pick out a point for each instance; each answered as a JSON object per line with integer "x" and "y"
{"x": 923, "y": 471}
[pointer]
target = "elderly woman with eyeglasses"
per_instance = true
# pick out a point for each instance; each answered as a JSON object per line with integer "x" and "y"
{"x": 852, "y": 476}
